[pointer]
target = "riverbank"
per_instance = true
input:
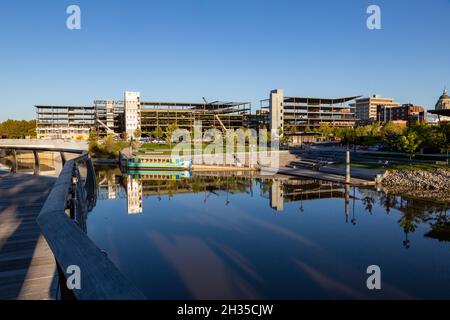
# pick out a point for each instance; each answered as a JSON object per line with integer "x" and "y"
{"x": 433, "y": 184}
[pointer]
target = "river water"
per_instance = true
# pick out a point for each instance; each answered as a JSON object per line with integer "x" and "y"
{"x": 243, "y": 236}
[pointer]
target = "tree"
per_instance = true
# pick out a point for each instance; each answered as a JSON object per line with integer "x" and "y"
{"x": 430, "y": 135}
{"x": 93, "y": 135}
{"x": 108, "y": 144}
{"x": 286, "y": 134}
{"x": 365, "y": 136}
{"x": 410, "y": 143}
{"x": 170, "y": 129}
{"x": 346, "y": 135}
{"x": 158, "y": 133}
{"x": 390, "y": 134}
{"x": 390, "y": 128}
{"x": 325, "y": 130}
{"x": 17, "y": 129}
{"x": 445, "y": 145}
{"x": 93, "y": 140}
{"x": 138, "y": 133}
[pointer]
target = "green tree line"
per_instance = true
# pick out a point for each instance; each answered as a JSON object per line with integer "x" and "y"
{"x": 391, "y": 137}
{"x": 16, "y": 129}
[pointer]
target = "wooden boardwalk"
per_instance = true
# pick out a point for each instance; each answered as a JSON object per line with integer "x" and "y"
{"x": 27, "y": 265}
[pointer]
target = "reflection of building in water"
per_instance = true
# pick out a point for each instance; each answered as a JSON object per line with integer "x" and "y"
{"x": 276, "y": 195}
{"x": 108, "y": 184}
{"x": 158, "y": 185}
{"x": 111, "y": 191}
{"x": 307, "y": 189}
{"x": 284, "y": 189}
{"x": 134, "y": 195}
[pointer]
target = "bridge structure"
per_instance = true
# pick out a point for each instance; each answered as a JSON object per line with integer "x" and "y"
{"x": 42, "y": 143}
{"x": 43, "y": 234}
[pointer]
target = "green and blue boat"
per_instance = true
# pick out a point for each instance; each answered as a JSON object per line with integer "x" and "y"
{"x": 161, "y": 163}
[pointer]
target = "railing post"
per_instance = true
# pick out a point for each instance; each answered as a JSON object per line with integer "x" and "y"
{"x": 90, "y": 180}
{"x": 14, "y": 162}
{"x": 347, "y": 164}
{"x": 63, "y": 158}
{"x": 36, "y": 163}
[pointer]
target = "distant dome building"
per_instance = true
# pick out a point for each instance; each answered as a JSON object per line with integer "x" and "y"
{"x": 443, "y": 102}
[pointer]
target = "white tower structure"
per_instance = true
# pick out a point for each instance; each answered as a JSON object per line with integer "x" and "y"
{"x": 132, "y": 101}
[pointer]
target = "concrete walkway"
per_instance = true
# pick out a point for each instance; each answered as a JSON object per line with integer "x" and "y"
{"x": 360, "y": 173}
{"x": 319, "y": 175}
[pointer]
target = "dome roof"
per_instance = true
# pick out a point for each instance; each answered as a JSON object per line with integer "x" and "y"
{"x": 444, "y": 101}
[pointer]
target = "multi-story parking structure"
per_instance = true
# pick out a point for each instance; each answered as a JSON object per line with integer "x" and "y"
{"x": 303, "y": 114}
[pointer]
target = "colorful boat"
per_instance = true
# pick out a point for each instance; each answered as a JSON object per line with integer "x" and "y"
{"x": 160, "y": 174}
{"x": 146, "y": 162}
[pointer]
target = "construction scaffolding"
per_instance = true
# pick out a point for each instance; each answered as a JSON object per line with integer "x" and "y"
{"x": 109, "y": 117}
{"x": 302, "y": 114}
{"x": 63, "y": 122}
{"x": 221, "y": 115}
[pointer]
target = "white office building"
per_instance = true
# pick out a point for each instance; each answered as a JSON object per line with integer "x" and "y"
{"x": 132, "y": 101}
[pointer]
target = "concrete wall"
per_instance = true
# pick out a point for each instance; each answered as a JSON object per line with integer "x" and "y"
{"x": 256, "y": 159}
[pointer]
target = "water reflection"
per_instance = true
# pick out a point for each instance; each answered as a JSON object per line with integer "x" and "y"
{"x": 135, "y": 186}
{"x": 240, "y": 235}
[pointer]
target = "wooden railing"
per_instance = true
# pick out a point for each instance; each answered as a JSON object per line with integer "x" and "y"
{"x": 62, "y": 221}
{"x": 65, "y": 234}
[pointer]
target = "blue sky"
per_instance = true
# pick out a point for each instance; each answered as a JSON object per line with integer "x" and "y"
{"x": 222, "y": 50}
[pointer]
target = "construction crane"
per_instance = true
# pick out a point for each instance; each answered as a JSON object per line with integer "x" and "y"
{"x": 225, "y": 131}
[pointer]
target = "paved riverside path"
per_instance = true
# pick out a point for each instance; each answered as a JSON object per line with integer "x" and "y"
{"x": 27, "y": 265}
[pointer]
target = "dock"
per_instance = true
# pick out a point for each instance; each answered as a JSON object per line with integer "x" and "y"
{"x": 27, "y": 265}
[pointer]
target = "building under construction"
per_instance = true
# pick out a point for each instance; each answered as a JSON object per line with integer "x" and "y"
{"x": 59, "y": 122}
{"x": 111, "y": 117}
{"x": 298, "y": 117}
{"x": 217, "y": 114}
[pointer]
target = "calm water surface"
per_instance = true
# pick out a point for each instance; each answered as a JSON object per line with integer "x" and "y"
{"x": 211, "y": 237}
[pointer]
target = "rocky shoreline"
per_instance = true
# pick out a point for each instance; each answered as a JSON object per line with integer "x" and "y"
{"x": 424, "y": 184}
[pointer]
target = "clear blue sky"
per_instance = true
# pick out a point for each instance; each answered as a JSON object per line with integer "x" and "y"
{"x": 220, "y": 49}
